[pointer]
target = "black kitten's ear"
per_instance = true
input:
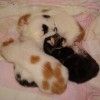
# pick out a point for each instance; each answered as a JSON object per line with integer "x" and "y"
{"x": 80, "y": 37}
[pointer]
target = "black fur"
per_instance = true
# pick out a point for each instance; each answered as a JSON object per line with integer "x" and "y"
{"x": 81, "y": 67}
{"x": 45, "y": 28}
{"x": 24, "y": 82}
{"x": 46, "y": 16}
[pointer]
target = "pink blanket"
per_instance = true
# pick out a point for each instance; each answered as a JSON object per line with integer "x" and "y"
{"x": 73, "y": 91}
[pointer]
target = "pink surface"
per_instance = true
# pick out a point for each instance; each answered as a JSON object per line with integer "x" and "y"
{"x": 73, "y": 91}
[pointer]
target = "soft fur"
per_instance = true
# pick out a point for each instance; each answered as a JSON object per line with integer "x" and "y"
{"x": 31, "y": 65}
{"x": 56, "y": 33}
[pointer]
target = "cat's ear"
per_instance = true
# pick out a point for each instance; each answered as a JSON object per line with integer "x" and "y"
{"x": 23, "y": 20}
{"x": 23, "y": 23}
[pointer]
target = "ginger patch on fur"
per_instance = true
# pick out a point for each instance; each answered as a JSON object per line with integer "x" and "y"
{"x": 81, "y": 36}
{"x": 6, "y": 43}
{"x": 57, "y": 72}
{"x": 45, "y": 85}
{"x": 58, "y": 87}
{"x": 47, "y": 70}
{"x": 24, "y": 19}
{"x": 34, "y": 59}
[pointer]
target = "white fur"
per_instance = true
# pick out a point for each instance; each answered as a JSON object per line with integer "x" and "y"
{"x": 20, "y": 52}
{"x": 66, "y": 24}
{"x": 32, "y": 37}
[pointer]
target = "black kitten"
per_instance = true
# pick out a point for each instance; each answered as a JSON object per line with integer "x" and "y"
{"x": 82, "y": 67}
